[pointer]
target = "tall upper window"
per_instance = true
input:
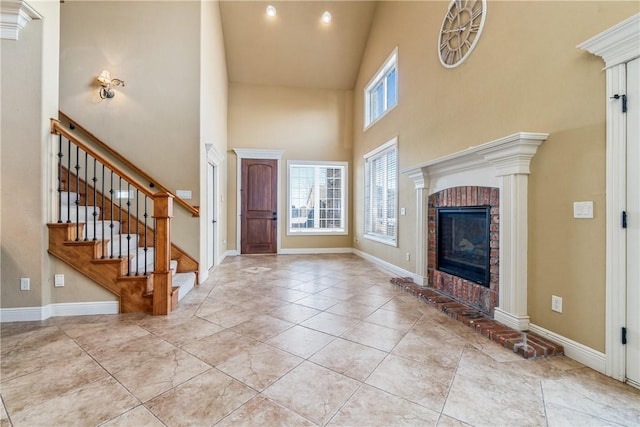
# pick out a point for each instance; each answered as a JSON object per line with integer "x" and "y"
{"x": 381, "y": 94}
{"x": 381, "y": 193}
{"x": 317, "y": 197}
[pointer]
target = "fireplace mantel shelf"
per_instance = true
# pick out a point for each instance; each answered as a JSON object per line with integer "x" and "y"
{"x": 510, "y": 155}
{"x": 502, "y": 163}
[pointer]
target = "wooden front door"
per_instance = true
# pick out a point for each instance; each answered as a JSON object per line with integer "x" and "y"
{"x": 259, "y": 206}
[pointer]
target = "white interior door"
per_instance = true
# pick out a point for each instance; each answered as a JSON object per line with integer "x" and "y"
{"x": 211, "y": 216}
{"x": 633, "y": 223}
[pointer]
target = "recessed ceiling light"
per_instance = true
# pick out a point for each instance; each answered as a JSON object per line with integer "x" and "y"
{"x": 271, "y": 10}
{"x": 326, "y": 17}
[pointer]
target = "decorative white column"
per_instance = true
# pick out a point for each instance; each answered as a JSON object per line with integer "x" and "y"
{"x": 512, "y": 168}
{"x": 14, "y": 15}
{"x": 502, "y": 163}
{"x": 421, "y": 181}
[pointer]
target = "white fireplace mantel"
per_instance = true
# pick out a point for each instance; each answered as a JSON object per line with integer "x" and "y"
{"x": 503, "y": 163}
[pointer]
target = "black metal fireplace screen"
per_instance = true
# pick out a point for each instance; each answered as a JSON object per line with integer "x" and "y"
{"x": 462, "y": 248}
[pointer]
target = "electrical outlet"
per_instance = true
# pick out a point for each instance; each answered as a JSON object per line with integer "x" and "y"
{"x": 58, "y": 280}
{"x": 408, "y": 256}
{"x": 25, "y": 284}
{"x": 556, "y": 303}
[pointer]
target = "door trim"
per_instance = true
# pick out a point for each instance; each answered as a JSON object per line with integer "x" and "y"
{"x": 250, "y": 153}
{"x": 616, "y": 46}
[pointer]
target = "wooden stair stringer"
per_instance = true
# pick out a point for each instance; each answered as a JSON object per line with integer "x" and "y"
{"x": 135, "y": 292}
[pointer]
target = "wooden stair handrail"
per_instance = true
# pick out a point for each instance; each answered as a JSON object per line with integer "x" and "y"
{"x": 192, "y": 209}
{"x": 58, "y": 129}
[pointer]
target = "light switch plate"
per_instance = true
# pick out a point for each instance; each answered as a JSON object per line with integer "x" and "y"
{"x": 183, "y": 194}
{"x": 58, "y": 280}
{"x": 583, "y": 209}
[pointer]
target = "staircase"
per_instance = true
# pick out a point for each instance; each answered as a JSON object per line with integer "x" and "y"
{"x": 116, "y": 231}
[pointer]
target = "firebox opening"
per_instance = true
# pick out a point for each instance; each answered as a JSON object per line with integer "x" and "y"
{"x": 462, "y": 242}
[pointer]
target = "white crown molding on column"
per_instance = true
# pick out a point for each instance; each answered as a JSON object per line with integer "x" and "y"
{"x": 504, "y": 162}
{"x": 14, "y": 15}
{"x": 618, "y": 44}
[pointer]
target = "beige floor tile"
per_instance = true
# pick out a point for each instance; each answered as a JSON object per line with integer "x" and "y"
{"x": 284, "y": 293}
{"x": 318, "y": 302}
{"x": 562, "y": 416}
{"x": 311, "y": 287}
{"x": 261, "y": 411}
{"x": 109, "y": 336}
{"x": 393, "y": 319}
{"x": 4, "y": 417}
{"x": 434, "y": 349}
{"x": 330, "y": 323}
{"x": 203, "y": 400}
{"x": 482, "y": 403}
{"x": 217, "y": 348}
{"x": 227, "y": 317}
{"x": 137, "y": 417}
{"x": 294, "y": 313}
{"x": 420, "y": 383}
{"x": 371, "y": 299}
{"x": 154, "y": 374}
{"x": 352, "y": 309}
{"x": 115, "y": 358}
{"x": 93, "y": 403}
{"x": 301, "y": 341}
{"x": 189, "y": 331}
{"x": 446, "y": 421}
{"x": 52, "y": 380}
{"x": 259, "y": 365}
{"x": 337, "y": 293}
{"x": 593, "y": 394}
{"x": 348, "y": 358}
{"x": 375, "y": 336}
{"x": 262, "y": 327}
{"x": 372, "y": 407}
{"x": 312, "y": 391}
{"x": 40, "y": 350}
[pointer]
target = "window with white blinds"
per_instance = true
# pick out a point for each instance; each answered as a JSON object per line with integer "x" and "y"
{"x": 381, "y": 193}
{"x": 381, "y": 94}
{"x": 317, "y": 194}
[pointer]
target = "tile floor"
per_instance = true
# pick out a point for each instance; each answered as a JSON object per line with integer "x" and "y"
{"x": 292, "y": 341}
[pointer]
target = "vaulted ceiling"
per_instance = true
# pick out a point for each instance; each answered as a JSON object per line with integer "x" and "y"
{"x": 295, "y": 48}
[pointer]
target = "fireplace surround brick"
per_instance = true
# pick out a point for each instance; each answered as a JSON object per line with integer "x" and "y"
{"x": 477, "y": 296}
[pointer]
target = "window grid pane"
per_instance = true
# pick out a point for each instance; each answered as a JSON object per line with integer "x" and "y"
{"x": 316, "y": 198}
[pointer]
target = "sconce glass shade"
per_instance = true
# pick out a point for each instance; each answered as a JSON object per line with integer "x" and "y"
{"x": 326, "y": 17}
{"x": 271, "y": 11}
{"x": 104, "y": 78}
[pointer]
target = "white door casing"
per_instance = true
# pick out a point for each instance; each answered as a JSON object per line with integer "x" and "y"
{"x": 633, "y": 224}
{"x": 211, "y": 216}
{"x": 617, "y": 46}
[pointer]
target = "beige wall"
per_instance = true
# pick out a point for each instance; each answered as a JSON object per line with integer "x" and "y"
{"x": 213, "y": 126}
{"x": 525, "y": 74}
{"x": 29, "y": 90}
{"x": 155, "y": 119}
{"x": 308, "y": 124}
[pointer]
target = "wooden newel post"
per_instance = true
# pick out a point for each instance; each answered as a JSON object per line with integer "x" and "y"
{"x": 162, "y": 286}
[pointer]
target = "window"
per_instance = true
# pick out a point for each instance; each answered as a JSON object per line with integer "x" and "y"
{"x": 381, "y": 193}
{"x": 317, "y": 198}
{"x": 381, "y": 94}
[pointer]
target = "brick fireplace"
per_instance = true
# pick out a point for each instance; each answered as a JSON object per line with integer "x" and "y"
{"x": 493, "y": 174}
{"x": 479, "y": 294}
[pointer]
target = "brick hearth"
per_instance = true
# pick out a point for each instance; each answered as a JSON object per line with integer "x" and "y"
{"x": 537, "y": 347}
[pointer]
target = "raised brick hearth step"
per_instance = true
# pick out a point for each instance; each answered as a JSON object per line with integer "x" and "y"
{"x": 535, "y": 347}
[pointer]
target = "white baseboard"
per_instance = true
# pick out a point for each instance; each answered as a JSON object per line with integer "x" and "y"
{"x": 574, "y": 350}
{"x": 32, "y": 314}
{"x": 401, "y": 272}
{"x": 308, "y": 251}
{"x": 230, "y": 252}
{"x": 517, "y": 322}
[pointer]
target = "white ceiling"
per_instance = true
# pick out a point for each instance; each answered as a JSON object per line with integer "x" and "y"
{"x": 295, "y": 48}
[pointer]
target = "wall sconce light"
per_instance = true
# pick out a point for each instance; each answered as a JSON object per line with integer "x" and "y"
{"x": 105, "y": 84}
